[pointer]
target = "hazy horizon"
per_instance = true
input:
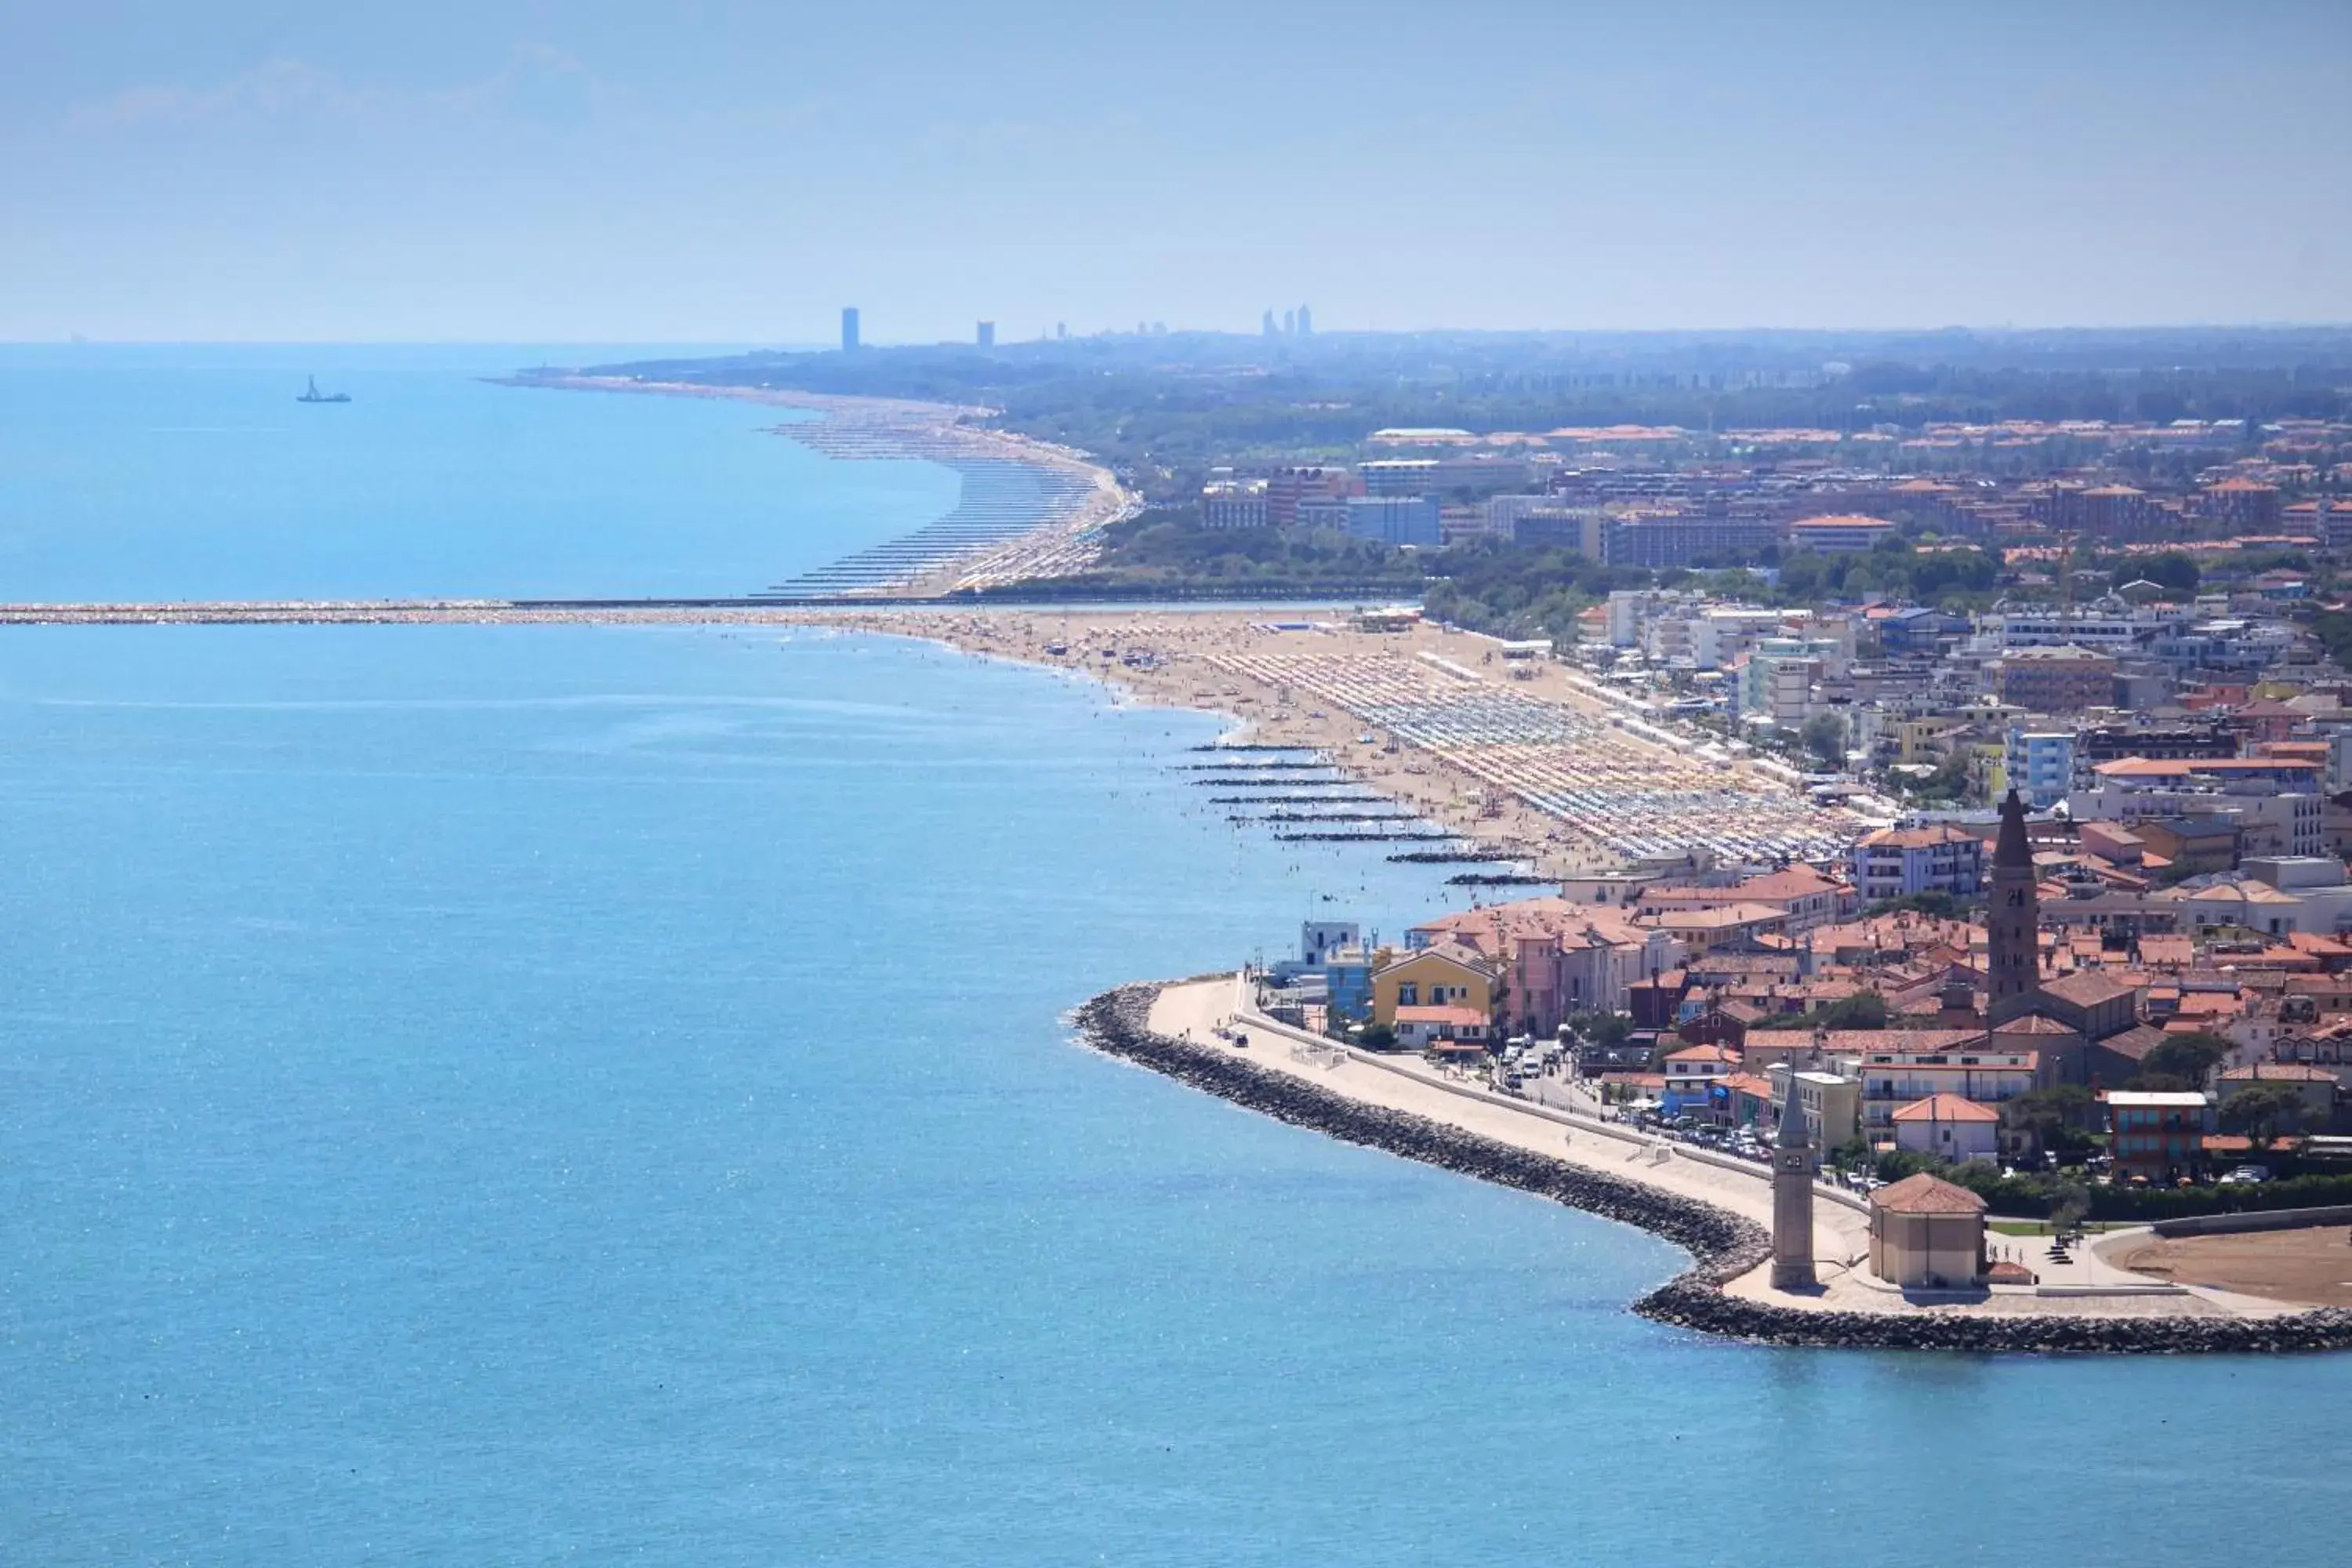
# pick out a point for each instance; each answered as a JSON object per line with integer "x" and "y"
{"x": 520, "y": 171}
{"x": 740, "y": 345}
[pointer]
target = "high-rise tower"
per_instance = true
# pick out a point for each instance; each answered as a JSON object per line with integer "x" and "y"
{"x": 987, "y": 334}
{"x": 849, "y": 329}
{"x": 2013, "y": 922}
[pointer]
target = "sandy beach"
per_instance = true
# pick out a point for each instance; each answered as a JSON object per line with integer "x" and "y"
{"x": 1063, "y": 540}
{"x": 1515, "y": 756}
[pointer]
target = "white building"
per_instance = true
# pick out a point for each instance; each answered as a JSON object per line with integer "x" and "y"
{"x": 2270, "y": 803}
{"x": 1948, "y": 1126}
{"x": 1941, "y": 857}
{"x": 1893, "y": 1078}
{"x": 1838, "y": 535}
{"x": 1234, "y": 503}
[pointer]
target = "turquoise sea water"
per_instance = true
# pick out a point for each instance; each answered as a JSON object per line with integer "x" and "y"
{"x": 131, "y": 473}
{"x": 588, "y": 1095}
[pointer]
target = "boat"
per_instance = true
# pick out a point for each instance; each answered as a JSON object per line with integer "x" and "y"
{"x": 312, "y": 394}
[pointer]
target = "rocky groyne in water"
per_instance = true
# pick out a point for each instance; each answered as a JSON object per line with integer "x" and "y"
{"x": 1722, "y": 1246}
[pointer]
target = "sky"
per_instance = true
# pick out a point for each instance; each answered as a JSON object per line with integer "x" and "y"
{"x": 697, "y": 171}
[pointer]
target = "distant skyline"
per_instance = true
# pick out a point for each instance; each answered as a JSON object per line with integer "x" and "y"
{"x": 530, "y": 170}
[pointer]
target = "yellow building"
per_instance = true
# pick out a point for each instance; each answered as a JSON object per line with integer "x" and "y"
{"x": 1922, "y": 740}
{"x": 1444, "y": 975}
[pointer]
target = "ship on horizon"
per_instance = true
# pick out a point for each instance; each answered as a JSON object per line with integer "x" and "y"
{"x": 312, "y": 394}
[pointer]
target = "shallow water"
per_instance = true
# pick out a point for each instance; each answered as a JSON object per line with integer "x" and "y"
{"x": 139, "y": 474}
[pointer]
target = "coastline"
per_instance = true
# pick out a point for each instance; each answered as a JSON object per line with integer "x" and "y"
{"x": 1082, "y": 496}
{"x": 1283, "y": 678}
{"x": 1724, "y": 1245}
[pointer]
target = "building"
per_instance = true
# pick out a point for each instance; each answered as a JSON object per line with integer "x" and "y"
{"x": 2013, "y": 922}
{"x": 1287, "y": 487}
{"x": 1392, "y": 520}
{"x": 1318, "y": 940}
{"x": 1676, "y": 540}
{"x": 1777, "y": 680}
{"x": 2114, "y": 743}
{"x": 2273, "y": 803}
{"x": 2063, "y": 680}
{"x": 1949, "y": 1126}
{"x": 2090, "y": 1004}
{"x": 1554, "y": 957}
{"x": 849, "y": 329}
{"x": 1234, "y": 503}
{"x": 2190, "y": 844}
{"x": 1838, "y": 535}
{"x": 1692, "y": 1070}
{"x": 1926, "y": 1234}
{"x": 2159, "y": 1134}
{"x": 2040, "y": 765}
{"x": 1895, "y": 1077}
{"x": 1895, "y": 862}
{"x": 986, "y": 334}
{"x": 2314, "y": 1085}
{"x": 1828, "y": 1104}
{"x": 2245, "y": 505}
{"x": 1442, "y": 476}
{"x": 1443, "y": 976}
{"x": 1418, "y": 1028}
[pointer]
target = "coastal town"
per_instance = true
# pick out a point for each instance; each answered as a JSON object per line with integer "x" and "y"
{"x": 1924, "y": 844}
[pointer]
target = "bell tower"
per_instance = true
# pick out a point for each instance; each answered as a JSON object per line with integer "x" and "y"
{"x": 2012, "y": 923}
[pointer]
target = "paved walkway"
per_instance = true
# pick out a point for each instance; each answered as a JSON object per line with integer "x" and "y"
{"x": 1196, "y": 1010}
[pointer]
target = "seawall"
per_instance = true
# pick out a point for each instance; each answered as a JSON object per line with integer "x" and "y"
{"x": 1722, "y": 1246}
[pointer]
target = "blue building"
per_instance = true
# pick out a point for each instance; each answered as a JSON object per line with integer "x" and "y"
{"x": 2039, "y": 764}
{"x": 1394, "y": 520}
{"x": 1917, "y": 629}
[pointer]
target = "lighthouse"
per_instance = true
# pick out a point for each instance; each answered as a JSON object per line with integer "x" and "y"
{"x": 1793, "y": 1199}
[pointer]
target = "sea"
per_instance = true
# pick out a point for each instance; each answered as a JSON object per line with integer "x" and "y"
{"x": 591, "y": 1094}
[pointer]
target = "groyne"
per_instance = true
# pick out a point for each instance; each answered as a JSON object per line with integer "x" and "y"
{"x": 1722, "y": 1246}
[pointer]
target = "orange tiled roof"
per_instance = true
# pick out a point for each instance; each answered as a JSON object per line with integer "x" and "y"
{"x": 1946, "y": 1108}
{"x": 1925, "y": 1194}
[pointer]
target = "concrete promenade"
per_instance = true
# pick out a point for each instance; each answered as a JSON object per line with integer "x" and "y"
{"x": 2091, "y": 1287}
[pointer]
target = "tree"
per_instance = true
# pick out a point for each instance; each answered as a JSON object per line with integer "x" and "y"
{"x": 2177, "y": 572}
{"x": 1824, "y": 736}
{"x": 1603, "y": 1029}
{"x": 2187, "y": 1059}
{"x": 2262, "y": 1111}
{"x": 1935, "y": 902}
{"x": 2056, "y": 1117}
{"x": 1377, "y": 1036}
{"x": 1863, "y": 1010}
{"x": 2070, "y": 1204}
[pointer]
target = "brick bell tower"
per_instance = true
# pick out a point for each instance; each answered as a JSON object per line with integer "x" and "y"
{"x": 2012, "y": 923}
